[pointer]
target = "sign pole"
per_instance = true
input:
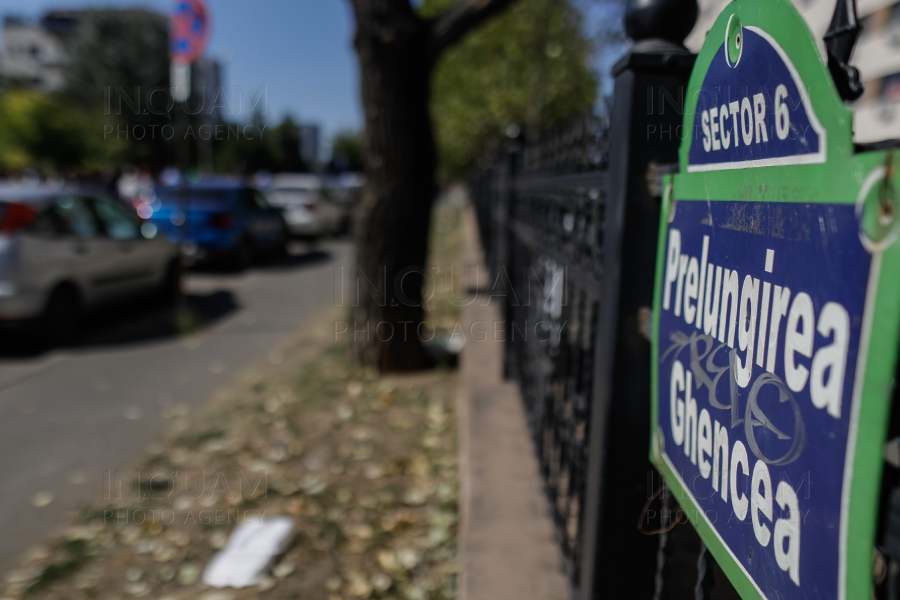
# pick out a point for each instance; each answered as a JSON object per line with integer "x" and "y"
{"x": 190, "y": 28}
{"x": 180, "y": 76}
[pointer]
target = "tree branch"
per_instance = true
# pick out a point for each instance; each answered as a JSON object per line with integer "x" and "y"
{"x": 450, "y": 27}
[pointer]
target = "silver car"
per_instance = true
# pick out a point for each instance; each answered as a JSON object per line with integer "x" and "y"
{"x": 309, "y": 210}
{"x": 64, "y": 252}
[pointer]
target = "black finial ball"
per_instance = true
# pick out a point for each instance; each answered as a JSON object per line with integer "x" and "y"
{"x": 670, "y": 20}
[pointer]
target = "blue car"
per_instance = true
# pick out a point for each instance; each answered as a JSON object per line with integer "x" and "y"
{"x": 216, "y": 221}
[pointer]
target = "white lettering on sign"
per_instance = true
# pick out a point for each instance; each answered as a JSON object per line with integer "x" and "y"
{"x": 747, "y": 314}
{"x": 721, "y": 303}
{"x": 745, "y": 120}
{"x": 782, "y": 112}
{"x": 758, "y": 114}
{"x": 702, "y": 435}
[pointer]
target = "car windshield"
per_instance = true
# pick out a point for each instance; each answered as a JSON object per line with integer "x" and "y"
{"x": 196, "y": 198}
{"x": 293, "y": 195}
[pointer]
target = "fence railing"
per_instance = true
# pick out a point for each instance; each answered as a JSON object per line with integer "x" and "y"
{"x": 569, "y": 228}
{"x": 541, "y": 217}
{"x": 570, "y": 225}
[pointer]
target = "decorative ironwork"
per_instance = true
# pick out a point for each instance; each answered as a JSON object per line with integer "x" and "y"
{"x": 579, "y": 145}
{"x": 541, "y": 213}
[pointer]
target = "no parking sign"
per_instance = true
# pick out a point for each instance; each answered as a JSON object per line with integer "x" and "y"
{"x": 189, "y": 32}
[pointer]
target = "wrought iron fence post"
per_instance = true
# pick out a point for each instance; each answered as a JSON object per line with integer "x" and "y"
{"x": 646, "y": 130}
{"x": 508, "y": 200}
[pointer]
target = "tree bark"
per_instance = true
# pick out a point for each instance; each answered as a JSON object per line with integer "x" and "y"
{"x": 397, "y": 50}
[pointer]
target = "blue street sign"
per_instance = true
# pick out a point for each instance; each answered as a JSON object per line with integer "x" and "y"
{"x": 776, "y": 315}
{"x": 753, "y": 109}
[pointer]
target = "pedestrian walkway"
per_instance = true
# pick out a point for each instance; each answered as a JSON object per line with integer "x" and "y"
{"x": 506, "y": 546}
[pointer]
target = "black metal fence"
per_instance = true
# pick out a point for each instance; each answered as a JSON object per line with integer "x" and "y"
{"x": 541, "y": 216}
{"x": 569, "y": 227}
{"x": 569, "y": 224}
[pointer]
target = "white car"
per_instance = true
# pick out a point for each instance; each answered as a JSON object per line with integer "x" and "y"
{"x": 63, "y": 252}
{"x": 307, "y": 205}
{"x": 348, "y": 190}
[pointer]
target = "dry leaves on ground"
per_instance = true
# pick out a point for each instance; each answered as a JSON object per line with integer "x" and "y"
{"x": 365, "y": 465}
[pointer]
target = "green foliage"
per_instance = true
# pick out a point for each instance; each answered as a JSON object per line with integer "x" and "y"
{"x": 38, "y": 131}
{"x": 346, "y": 152}
{"x": 276, "y": 149}
{"x": 286, "y": 142}
{"x": 124, "y": 48}
{"x": 530, "y": 66}
{"x": 121, "y": 56}
{"x": 120, "y": 72}
{"x": 71, "y": 554}
{"x": 116, "y": 54}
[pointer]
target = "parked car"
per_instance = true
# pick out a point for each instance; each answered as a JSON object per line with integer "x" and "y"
{"x": 348, "y": 187}
{"x": 310, "y": 211}
{"x": 63, "y": 252}
{"x": 347, "y": 190}
{"x": 216, "y": 220}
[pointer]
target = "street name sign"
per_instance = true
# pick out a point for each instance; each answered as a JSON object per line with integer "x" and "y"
{"x": 776, "y": 314}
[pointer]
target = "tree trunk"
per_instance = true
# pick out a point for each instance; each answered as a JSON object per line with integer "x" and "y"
{"x": 397, "y": 50}
{"x": 393, "y": 219}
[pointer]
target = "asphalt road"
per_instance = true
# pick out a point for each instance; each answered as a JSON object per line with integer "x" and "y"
{"x": 68, "y": 416}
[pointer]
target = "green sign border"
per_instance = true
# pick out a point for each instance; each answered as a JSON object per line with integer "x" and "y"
{"x": 838, "y": 180}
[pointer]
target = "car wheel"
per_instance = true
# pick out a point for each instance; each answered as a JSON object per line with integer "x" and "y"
{"x": 282, "y": 247}
{"x": 61, "y": 321}
{"x": 344, "y": 228}
{"x": 312, "y": 242}
{"x": 170, "y": 290}
{"x": 245, "y": 254}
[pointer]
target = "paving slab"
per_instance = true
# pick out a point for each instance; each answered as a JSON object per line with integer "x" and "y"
{"x": 507, "y": 549}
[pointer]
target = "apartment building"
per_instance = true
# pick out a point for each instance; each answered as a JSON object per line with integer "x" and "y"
{"x": 35, "y": 53}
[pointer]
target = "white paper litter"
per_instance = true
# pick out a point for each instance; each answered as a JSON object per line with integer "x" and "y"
{"x": 249, "y": 552}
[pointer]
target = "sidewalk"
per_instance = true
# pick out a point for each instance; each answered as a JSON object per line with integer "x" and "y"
{"x": 506, "y": 544}
{"x": 366, "y": 466}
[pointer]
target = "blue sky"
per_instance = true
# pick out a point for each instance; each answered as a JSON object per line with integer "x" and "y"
{"x": 301, "y": 50}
